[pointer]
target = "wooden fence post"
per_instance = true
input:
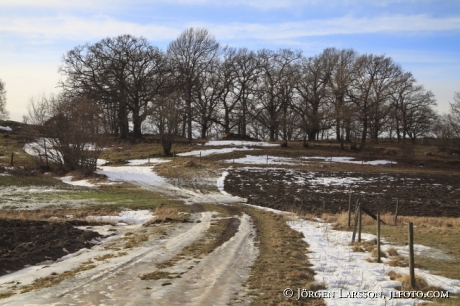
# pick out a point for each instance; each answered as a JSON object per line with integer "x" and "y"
{"x": 360, "y": 216}
{"x": 378, "y": 237}
{"x": 355, "y": 225}
{"x": 411, "y": 255}
{"x": 349, "y": 209}
{"x": 396, "y": 212}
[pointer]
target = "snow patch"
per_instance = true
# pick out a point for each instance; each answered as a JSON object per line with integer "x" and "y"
{"x": 220, "y": 181}
{"x": 344, "y": 271}
{"x": 263, "y": 160}
{"x": 84, "y": 183}
{"x": 139, "y": 174}
{"x": 127, "y": 216}
{"x": 138, "y": 162}
{"x": 196, "y": 153}
{"x": 240, "y": 143}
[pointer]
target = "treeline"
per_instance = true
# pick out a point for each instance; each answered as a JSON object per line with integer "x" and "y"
{"x": 200, "y": 89}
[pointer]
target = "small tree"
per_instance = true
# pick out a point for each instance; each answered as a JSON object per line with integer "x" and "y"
{"x": 67, "y": 131}
{"x": 3, "y": 112}
{"x": 166, "y": 117}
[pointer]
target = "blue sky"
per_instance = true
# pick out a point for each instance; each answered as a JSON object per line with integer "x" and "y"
{"x": 422, "y": 36}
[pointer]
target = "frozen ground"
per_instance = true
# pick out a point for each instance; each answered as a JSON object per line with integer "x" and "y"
{"x": 115, "y": 280}
{"x": 203, "y": 153}
{"x": 213, "y": 280}
{"x": 239, "y": 143}
{"x": 276, "y": 160}
{"x": 344, "y": 271}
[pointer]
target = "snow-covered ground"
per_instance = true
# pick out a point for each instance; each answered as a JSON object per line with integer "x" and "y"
{"x": 262, "y": 160}
{"x": 138, "y": 162}
{"x": 135, "y": 174}
{"x": 6, "y": 128}
{"x": 276, "y": 160}
{"x": 344, "y": 271}
{"x": 83, "y": 183}
{"x": 340, "y": 269}
{"x": 240, "y": 143}
{"x": 126, "y": 217}
{"x": 349, "y": 160}
{"x": 213, "y": 151}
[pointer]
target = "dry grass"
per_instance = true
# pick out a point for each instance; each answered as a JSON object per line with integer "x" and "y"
{"x": 188, "y": 168}
{"x": 203, "y": 246}
{"x": 104, "y": 257}
{"x": 166, "y": 214}
{"x": 135, "y": 240}
{"x": 282, "y": 261}
{"x": 398, "y": 261}
{"x": 59, "y": 214}
{"x": 54, "y": 279}
{"x": 159, "y": 275}
{"x": 364, "y": 246}
{"x": 435, "y": 232}
{"x": 217, "y": 234}
{"x": 6, "y": 294}
{"x": 404, "y": 279}
{"x": 340, "y": 221}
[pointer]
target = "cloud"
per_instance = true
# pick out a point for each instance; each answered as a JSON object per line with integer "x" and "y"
{"x": 258, "y": 4}
{"x": 335, "y": 26}
{"x": 82, "y": 29}
{"x": 97, "y": 27}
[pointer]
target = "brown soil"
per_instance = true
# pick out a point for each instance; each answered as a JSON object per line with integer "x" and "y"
{"x": 29, "y": 242}
{"x": 300, "y": 191}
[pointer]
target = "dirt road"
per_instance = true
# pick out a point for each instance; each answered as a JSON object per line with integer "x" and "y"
{"x": 215, "y": 279}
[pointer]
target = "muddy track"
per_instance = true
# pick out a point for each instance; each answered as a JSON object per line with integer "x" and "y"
{"x": 215, "y": 279}
{"x": 98, "y": 286}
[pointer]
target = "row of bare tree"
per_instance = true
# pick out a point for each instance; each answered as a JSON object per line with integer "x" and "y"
{"x": 266, "y": 94}
{"x": 198, "y": 88}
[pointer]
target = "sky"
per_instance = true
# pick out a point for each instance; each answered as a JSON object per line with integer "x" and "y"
{"x": 422, "y": 36}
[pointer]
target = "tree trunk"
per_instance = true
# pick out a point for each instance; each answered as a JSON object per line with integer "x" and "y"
{"x": 364, "y": 135}
{"x": 123, "y": 121}
{"x": 167, "y": 144}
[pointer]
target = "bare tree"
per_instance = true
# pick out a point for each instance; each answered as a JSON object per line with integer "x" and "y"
{"x": 122, "y": 74}
{"x": 3, "y": 112}
{"x": 227, "y": 100}
{"x": 165, "y": 115}
{"x": 207, "y": 96}
{"x": 275, "y": 69}
{"x": 67, "y": 131}
{"x": 371, "y": 92}
{"x": 245, "y": 69}
{"x": 342, "y": 75}
{"x": 312, "y": 80}
{"x": 190, "y": 55}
